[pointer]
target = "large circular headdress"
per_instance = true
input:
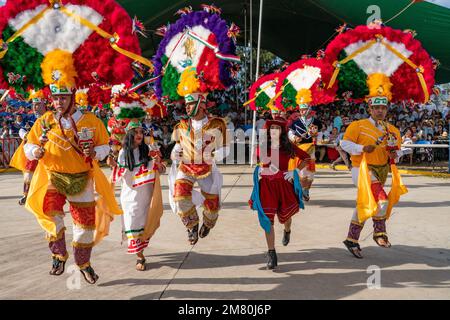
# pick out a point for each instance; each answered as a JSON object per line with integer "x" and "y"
{"x": 67, "y": 42}
{"x": 378, "y": 60}
{"x": 195, "y": 55}
{"x": 262, "y": 93}
{"x": 304, "y": 82}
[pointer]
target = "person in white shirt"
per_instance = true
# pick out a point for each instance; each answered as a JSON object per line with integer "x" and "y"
{"x": 200, "y": 142}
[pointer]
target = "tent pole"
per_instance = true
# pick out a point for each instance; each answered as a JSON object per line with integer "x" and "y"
{"x": 245, "y": 62}
{"x": 261, "y": 3}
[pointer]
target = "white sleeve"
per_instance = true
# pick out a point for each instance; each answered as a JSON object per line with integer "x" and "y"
{"x": 176, "y": 148}
{"x": 29, "y": 148}
{"x": 351, "y": 147}
{"x": 22, "y": 133}
{"x": 221, "y": 153}
{"x": 101, "y": 151}
{"x": 291, "y": 135}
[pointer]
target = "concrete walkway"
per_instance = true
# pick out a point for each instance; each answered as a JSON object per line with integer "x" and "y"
{"x": 230, "y": 262}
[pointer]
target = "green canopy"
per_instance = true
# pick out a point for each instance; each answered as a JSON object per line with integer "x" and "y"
{"x": 292, "y": 28}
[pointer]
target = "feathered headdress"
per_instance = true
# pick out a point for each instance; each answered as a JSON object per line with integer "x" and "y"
{"x": 263, "y": 92}
{"x": 378, "y": 61}
{"x": 303, "y": 84}
{"x": 65, "y": 42}
{"x": 195, "y": 56}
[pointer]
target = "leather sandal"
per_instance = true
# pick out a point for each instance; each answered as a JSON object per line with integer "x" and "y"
{"x": 193, "y": 235}
{"x": 353, "y": 248}
{"x": 382, "y": 241}
{"x": 57, "y": 267}
{"x": 89, "y": 275}
{"x": 140, "y": 262}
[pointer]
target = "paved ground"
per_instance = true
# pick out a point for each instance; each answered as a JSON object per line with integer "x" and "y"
{"x": 229, "y": 263}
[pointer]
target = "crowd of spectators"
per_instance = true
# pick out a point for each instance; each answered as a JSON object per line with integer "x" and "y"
{"x": 421, "y": 124}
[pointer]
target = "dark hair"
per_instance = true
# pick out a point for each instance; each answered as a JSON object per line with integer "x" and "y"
{"x": 128, "y": 143}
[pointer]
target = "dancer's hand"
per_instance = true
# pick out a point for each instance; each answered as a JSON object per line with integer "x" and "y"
{"x": 110, "y": 161}
{"x": 289, "y": 176}
{"x": 369, "y": 148}
{"x": 161, "y": 167}
{"x": 43, "y": 140}
{"x": 38, "y": 153}
{"x": 89, "y": 151}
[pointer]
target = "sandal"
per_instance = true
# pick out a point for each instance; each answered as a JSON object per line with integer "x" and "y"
{"x": 382, "y": 241}
{"x": 204, "y": 231}
{"x": 57, "y": 267}
{"x": 193, "y": 235}
{"x": 353, "y": 248}
{"x": 89, "y": 275}
{"x": 22, "y": 200}
{"x": 140, "y": 264}
{"x": 306, "y": 195}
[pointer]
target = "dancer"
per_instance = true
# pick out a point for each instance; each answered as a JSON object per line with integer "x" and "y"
{"x": 379, "y": 143}
{"x": 277, "y": 191}
{"x": 303, "y": 131}
{"x": 200, "y": 142}
{"x": 68, "y": 144}
{"x": 391, "y": 67}
{"x": 138, "y": 169}
{"x": 196, "y": 57}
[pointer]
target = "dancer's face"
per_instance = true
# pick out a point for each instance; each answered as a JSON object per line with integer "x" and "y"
{"x": 39, "y": 108}
{"x": 138, "y": 136}
{"x": 378, "y": 112}
{"x": 303, "y": 112}
{"x": 62, "y": 103}
{"x": 192, "y": 113}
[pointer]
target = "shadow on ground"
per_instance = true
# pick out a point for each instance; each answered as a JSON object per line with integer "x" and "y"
{"x": 306, "y": 274}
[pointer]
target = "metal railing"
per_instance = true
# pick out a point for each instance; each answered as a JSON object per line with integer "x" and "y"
{"x": 7, "y": 148}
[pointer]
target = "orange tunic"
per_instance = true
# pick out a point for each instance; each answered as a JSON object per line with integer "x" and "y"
{"x": 365, "y": 133}
{"x": 60, "y": 156}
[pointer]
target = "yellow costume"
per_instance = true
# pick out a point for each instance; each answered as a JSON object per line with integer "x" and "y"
{"x": 63, "y": 173}
{"x": 370, "y": 171}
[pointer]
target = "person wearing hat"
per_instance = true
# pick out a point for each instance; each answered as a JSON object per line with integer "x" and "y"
{"x": 137, "y": 168}
{"x": 374, "y": 145}
{"x": 19, "y": 160}
{"x": 68, "y": 143}
{"x": 200, "y": 141}
{"x": 277, "y": 190}
{"x": 303, "y": 130}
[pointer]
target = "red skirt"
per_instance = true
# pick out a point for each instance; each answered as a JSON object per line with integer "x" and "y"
{"x": 278, "y": 197}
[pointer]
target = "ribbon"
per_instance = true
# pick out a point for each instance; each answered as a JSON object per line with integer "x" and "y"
{"x": 264, "y": 221}
{"x": 19, "y": 32}
{"x": 113, "y": 39}
{"x": 337, "y": 64}
{"x": 215, "y": 48}
{"x": 298, "y": 190}
{"x": 140, "y": 85}
{"x": 419, "y": 69}
{"x": 258, "y": 93}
